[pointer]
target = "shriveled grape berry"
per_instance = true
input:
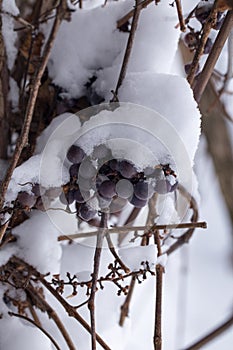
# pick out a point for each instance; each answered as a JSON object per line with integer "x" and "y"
{"x": 75, "y": 154}
{"x": 73, "y": 170}
{"x": 86, "y": 212}
{"x": 127, "y": 169}
{"x": 26, "y": 199}
{"x": 141, "y": 190}
{"x": 138, "y": 203}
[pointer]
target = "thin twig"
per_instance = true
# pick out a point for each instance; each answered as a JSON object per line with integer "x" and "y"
{"x": 114, "y": 253}
{"x": 126, "y": 229}
{"x": 158, "y": 302}
{"x": 213, "y": 334}
{"x": 128, "y": 49}
{"x": 130, "y": 14}
{"x": 132, "y": 216}
{"x": 208, "y": 68}
{"x": 19, "y": 19}
{"x": 126, "y": 304}
{"x": 37, "y": 326}
{"x": 200, "y": 49}
{"x": 23, "y": 138}
{"x": 180, "y": 15}
{"x": 95, "y": 274}
{"x": 71, "y": 310}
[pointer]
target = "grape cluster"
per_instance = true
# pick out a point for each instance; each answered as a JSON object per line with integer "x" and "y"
{"x": 101, "y": 181}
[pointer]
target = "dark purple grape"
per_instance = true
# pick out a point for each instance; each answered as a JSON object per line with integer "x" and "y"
{"x": 75, "y": 154}
{"x": 143, "y": 190}
{"x": 114, "y": 164}
{"x": 220, "y": 20}
{"x": 191, "y": 39}
{"x": 138, "y": 203}
{"x": 105, "y": 170}
{"x": 187, "y": 68}
{"x": 124, "y": 188}
{"x": 86, "y": 212}
{"x": 127, "y": 169}
{"x": 78, "y": 196}
{"x": 107, "y": 189}
{"x": 202, "y": 12}
{"x": 73, "y": 170}
{"x": 103, "y": 202}
{"x": 99, "y": 179}
{"x": 117, "y": 204}
{"x": 208, "y": 46}
{"x": 87, "y": 170}
{"x": 26, "y": 199}
{"x": 38, "y": 190}
{"x": 70, "y": 196}
{"x": 162, "y": 186}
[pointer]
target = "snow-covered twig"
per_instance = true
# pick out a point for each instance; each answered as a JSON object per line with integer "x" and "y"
{"x": 210, "y": 336}
{"x": 25, "y": 318}
{"x": 95, "y": 275}
{"x": 208, "y": 68}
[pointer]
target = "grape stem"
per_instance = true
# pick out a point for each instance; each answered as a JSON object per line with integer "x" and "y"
{"x": 95, "y": 274}
{"x": 158, "y": 301}
{"x": 114, "y": 253}
{"x": 180, "y": 15}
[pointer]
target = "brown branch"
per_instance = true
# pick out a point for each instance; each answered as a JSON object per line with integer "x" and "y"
{"x": 95, "y": 274}
{"x": 114, "y": 253}
{"x": 125, "y": 229}
{"x": 208, "y": 68}
{"x": 71, "y": 310}
{"x": 180, "y": 15}
{"x": 130, "y": 14}
{"x": 188, "y": 234}
{"x": 132, "y": 216}
{"x": 200, "y": 49}
{"x": 128, "y": 49}
{"x": 41, "y": 302}
{"x": 158, "y": 302}
{"x": 23, "y": 138}
{"x": 213, "y": 334}
{"x": 37, "y": 326}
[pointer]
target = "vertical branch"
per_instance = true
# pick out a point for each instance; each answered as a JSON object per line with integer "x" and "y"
{"x": 128, "y": 48}
{"x": 158, "y": 303}
{"x": 205, "y": 75}
{"x": 180, "y": 15}
{"x": 95, "y": 274}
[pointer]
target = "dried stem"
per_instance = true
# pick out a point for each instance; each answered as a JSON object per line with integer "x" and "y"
{"x": 23, "y": 138}
{"x": 130, "y": 14}
{"x": 132, "y": 216}
{"x": 206, "y": 30}
{"x": 128, "y": 49}
{"x": 71, "y": 310}
{"x": 180, "y": 15}
{"x": 158, "y": 303}
{"x": 95, "y": 274}
{"x": 210, "y": 336}
{"x": 25, "y": 318}
{"x": 125, "y": 229}
{"x": 114, "y": 253}
{"x": 205, "y": 75}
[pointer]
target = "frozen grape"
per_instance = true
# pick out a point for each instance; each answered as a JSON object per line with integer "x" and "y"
{"x": 138, "y": 203}
{"x": 202, "y": 12}
{"x": 53, "y": 192}
{"x": 70, "y": 196}
{"x": 73, "y": 170}
{"x": 103, "y": 202}
{"x": 114, "y": 164}
{"x": 75, "y": 154}
{"x": 162, "y": 186}
{"x": 26, "y": 199}
{"x": 127, "y": 169}
{"x": 219, "y": 22}
{"x": 42, "y": 203}
{"x": 86, "y": 212}
{"x": 143, "y": 190}
{"x": 124, "y": 188}
{"x": 174, "y": 187}
{"x": 187, "y": 68}
{"x": 86, "y": 184}
{"x": 78, "y": 197}
{"x": 38, "y": 190}
{"x": 107, "y": 189}
{"x": 105, "y": 170}
{"x": 191, "y": 39}
{"x": 87, "y": 170}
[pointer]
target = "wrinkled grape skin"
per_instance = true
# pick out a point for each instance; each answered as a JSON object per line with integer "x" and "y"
{"x": 75, "y": 154}
{"x": 107, "y": 189}
{"x": 86, "y": 213}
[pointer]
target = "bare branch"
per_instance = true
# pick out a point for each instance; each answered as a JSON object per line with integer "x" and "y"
{"x": 130, "y": 14}
{"x": 158, "y": 301}
{"x": 180, "y": 15}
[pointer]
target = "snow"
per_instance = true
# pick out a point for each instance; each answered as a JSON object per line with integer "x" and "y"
{"x": 13, "y": 95}
{"x": 133, "y": 257}
{"x": 10, "y": 6}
